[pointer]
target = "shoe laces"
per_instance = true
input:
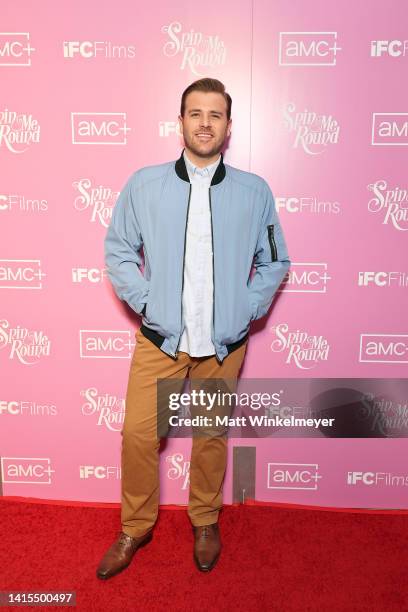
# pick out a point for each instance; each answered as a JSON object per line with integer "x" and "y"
{"x": 123, "y": 538}
{"x": 126, "y": 540}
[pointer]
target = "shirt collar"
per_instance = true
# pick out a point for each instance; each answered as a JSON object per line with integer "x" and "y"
{"x": 194, "y": 171}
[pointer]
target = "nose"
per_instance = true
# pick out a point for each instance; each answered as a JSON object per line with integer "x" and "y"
{"x": 205, "y": 121}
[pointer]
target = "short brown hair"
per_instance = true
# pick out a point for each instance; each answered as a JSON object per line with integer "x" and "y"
{"x": 207, "y": 85}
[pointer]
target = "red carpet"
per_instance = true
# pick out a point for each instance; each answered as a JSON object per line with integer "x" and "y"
{"x": 273, "y": 558}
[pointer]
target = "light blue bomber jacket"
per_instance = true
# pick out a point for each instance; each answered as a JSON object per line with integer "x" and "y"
{"x": 152, "y": 212}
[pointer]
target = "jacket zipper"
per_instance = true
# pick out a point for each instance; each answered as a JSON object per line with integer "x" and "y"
{"x": 272, "y": 244}
{"x": 182, "y": 278}
{"x": 212, "y": 250}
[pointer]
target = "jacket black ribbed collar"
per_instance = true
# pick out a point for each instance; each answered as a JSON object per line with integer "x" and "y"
{"x": 182, "y": 173}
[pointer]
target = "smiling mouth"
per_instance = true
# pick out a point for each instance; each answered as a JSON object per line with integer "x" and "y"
{"x": 203, "y": 136}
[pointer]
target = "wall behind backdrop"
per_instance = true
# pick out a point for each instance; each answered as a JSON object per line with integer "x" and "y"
{"x": 90, "y": 92}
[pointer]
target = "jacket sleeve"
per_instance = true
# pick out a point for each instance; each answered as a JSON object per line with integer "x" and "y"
{"x": 271, "y": 260}
{"x": 122, "y": 258}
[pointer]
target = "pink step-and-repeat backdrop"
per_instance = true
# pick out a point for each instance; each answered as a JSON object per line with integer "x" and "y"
{"x": 90, "y": 92}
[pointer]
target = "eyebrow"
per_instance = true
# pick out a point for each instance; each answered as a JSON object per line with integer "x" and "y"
{"x": 198, "y": 110}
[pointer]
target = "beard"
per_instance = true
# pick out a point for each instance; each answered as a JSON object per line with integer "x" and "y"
{"x": 203, "y": 149}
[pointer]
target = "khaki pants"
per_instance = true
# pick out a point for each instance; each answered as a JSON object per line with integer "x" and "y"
{"x": 140, "y": 441}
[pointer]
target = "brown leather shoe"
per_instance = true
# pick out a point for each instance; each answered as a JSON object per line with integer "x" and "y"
{"x": 120, "y": 554}
{"x": 207, "y": 546}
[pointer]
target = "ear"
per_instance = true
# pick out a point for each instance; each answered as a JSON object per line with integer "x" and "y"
{"x": 229, "y": 126}
{"x": 180, "y": 130}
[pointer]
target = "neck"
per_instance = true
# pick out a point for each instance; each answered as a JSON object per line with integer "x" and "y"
{"x": 201, "y": 162}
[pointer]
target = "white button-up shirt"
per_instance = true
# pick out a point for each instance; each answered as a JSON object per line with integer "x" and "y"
{"x": 198, "y": 265}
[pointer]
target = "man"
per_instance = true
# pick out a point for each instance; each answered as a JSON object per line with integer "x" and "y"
{"x": 202, "y": 224}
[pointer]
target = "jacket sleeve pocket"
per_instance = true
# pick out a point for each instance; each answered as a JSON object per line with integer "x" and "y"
{"x": 272, "y": 243}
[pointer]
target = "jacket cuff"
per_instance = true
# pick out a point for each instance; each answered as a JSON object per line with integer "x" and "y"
{"x": 254, "y": 312}
{"x": 140, "y": 306}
